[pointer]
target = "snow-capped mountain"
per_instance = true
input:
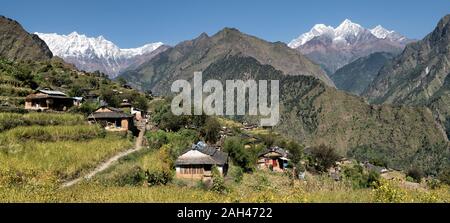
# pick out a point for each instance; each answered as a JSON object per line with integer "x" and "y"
{"x": 333, "y": 48}
{"x": 96, "y": 53}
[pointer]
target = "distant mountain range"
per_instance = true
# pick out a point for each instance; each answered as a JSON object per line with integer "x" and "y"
{"x": 181, "y": 61}
{"x": 333, "y": 48}
{"x": 97, "y": 53}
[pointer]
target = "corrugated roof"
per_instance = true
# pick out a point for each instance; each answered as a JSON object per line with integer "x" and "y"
{"x": 51, "y": 92}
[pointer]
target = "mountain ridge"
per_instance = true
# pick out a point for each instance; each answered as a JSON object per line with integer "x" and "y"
{"x": 182, "y": 60}
{"x": 333, "y": 48}
{"x": 17, "y": 44}
{"x": 96, "y": 53}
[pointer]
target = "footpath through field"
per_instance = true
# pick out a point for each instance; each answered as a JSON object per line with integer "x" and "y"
{"x": 106, "y": 164}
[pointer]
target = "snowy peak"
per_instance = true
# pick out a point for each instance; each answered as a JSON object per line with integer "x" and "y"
{"x": 317, "y": 30}
{"x": 79, "y": 45}
{"x": 96, "y": 53}
{"x": 346, "y": 33}
{"x": 380, "y": 32}
{"x": 348, "y": 28}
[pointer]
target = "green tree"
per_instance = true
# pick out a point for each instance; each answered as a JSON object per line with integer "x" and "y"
{"x": 210, "y": 131}
{"x": 295, "y": 152}
{"x": 236, "y": 149}
{"x": 323, "y": 157}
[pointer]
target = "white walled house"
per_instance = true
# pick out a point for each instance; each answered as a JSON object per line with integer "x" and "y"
{"x": 197, "y": 162}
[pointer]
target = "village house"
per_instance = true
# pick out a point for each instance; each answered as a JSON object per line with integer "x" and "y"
{"x": 43, "y": 100}
{"x": 198, "y": 161}
{"x": 137, "y": 113}
{"x": 273, "y": 158}
{"x": 112, "y": 119}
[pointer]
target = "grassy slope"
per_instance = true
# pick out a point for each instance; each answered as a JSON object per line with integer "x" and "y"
{"x": 50, "y": 153}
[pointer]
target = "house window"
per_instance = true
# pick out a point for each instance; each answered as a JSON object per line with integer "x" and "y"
{"x": 192, "y": 170}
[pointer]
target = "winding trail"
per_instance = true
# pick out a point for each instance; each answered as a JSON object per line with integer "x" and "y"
{"x": 106, "y": 164}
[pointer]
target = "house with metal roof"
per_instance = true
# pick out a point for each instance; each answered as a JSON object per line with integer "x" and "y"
{"x": 46, "y": 99}
{"x": 198, "y": 161}
{"x": 112, "y": 119}
{"x": 273, "y": 158}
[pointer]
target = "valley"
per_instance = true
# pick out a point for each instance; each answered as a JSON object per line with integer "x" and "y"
{"x": 82, "y": 120}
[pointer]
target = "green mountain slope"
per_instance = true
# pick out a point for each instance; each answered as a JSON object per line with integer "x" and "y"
{"x": 419, "y": 76}
{"x": 181, "y": 61}
{"x": 18, "y": 44}
{"x": 313, "y": 114}
{"x": 356, "y": 76}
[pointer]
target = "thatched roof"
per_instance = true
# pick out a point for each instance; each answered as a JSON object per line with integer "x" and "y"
{"x": 203, "y": 155}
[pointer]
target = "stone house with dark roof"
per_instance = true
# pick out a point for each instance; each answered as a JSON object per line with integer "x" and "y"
{"x": 274, "y": 158}
{"x": 197, "y": 162}
{"x": 112, "y": 119}
{"x": 43, "y": 100}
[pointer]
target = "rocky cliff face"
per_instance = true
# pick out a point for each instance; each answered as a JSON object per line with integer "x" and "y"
{"x": 18, "y": 44}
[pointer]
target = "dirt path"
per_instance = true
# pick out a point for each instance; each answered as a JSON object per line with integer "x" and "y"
{"x": 105, "y": 165}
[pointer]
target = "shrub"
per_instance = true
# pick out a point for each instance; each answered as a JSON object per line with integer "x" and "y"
{"x": 444, "y": 176}
{"x": 235, "y": 148}
{"x": 158, "y": 177}
{"x": 238, "y": 174}
{"x": 416, "y": 174}
{"x": 157, "y": 139}
{"x": 433, "y": 183}
{"x": 134, "y": 177}
{"x": 295, "y": 152}
{"x": 359, "y": 178}
{"x": 218, "y": 183}
{"x": 210, "y": 130}
{"x": 386, "y": 192}
{"x": 323, "y": 157}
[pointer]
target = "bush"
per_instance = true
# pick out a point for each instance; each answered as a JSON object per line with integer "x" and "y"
{"x": 359, "y": 178}
{"x": 218, "y": 183}
{"x": 135, "y": 177}
{"x": 210, "y": 130}
{"x": 415, "y": 174}
{"x": 295, "y": 152}
{"x": 158, "y": 177}
{"x": 386, "y": 192}
{"x": 444, "y": 176}
{"x": 235, "y": 148}
{"x": 433, "y": 184}
{"x": 238, "y": 174}
{"x": 323, "y": 157}
{"x": 157, "y": 139}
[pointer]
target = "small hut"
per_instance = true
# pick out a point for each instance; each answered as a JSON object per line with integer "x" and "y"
{"x": 198, "y": 161}
{"x": 112, "y": 119}
{"x": 273, "y": 158}
{"x": 46, "y": 99}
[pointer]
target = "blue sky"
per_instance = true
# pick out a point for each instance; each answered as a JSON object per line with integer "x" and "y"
{"x": 131, "y": 23}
